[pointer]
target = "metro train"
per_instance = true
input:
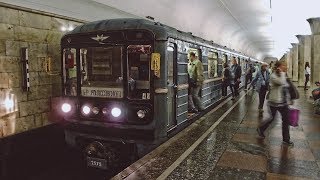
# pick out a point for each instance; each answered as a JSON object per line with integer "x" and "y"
{"x": 125, "y": 85}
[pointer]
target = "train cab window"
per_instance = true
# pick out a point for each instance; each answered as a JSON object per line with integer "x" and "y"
{"x": 139, "y": 57}
{"x": 212, "y": 64}
{"x": 101, "y": 68}
{"x": 70, "y": 71}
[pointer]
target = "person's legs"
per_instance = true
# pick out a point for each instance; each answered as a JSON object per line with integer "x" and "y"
{"x": 285, "y": 123}
{"x": 262, "y": 96}
{"x": 306, "y": 82}
{"x": 246, "y": 81}
{"x": 232, "y": 90}
{"x": 224, "y": 89}
{"x": 264, "y": 125}
{"x": 195, "y": 94}
{"x": 236, "y": 87}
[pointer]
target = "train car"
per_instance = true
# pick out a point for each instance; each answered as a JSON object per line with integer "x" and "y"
{"x": 125, "y": 85}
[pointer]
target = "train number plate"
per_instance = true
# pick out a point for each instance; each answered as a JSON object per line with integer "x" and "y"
{"x": 97, "y": 163}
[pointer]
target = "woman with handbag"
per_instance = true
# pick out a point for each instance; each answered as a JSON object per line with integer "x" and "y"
{"x": 278, "y": 101}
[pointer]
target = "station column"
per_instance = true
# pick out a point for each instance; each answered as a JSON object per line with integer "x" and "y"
{"x": 294, "y": 62}
{"x": 304, "y": 56}
{"x": 289, "y": 57}
{"x": 315, "y": 50}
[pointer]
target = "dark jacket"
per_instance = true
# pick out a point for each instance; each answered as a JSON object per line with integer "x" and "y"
{"x": 236, "y": 70}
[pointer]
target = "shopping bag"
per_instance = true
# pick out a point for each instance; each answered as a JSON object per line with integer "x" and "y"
{"x": 293, "y": 117}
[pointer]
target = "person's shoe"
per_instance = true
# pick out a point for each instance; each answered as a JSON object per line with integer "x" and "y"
{"x": 288, "y": 143}
{"x": 260, "y": 133}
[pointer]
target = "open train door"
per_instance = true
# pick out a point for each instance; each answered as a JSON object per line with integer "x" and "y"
{"x": 171, "y": 58}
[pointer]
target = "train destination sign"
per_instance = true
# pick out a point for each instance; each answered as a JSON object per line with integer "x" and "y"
{"x": 102, "y": 92}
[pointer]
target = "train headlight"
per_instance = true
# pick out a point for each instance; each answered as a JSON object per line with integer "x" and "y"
{"x": 116, "y": 112}
{"x": 95, "y": 110}
{"x": 141, "y": 113}
{"x": 86, "y": 110}
{"x": 66, "y": 107}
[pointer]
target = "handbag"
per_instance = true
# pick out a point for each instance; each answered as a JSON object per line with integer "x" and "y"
{"x": 294, "y": 94}
{"x": 293, "y": 116}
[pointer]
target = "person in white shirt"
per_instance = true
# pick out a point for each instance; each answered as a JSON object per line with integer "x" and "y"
{"x": 307, "y": 73}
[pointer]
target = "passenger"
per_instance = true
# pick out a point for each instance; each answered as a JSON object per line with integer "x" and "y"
{"x": 262, "y": 80}
{"x": 256, "y": 69}
{"x": 249, "y": 71}
{"x": 307, "y": 73}
{"x": 271, "y": 67}
{"x": 195, "y": 71}
{"x": 277, "y": 101}
{"x": 226, "y": 81}
{"x": 236, "y": 74}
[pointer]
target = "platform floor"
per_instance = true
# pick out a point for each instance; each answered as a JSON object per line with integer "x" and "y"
{"x": 224, "y": 144}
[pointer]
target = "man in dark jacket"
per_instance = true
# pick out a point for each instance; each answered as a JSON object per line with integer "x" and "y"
{"x": 236, "y": 74}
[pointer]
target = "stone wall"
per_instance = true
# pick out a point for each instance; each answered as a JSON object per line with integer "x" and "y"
{"x": 19, "y": 110}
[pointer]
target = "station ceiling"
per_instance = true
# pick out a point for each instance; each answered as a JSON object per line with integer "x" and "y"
{"x": 247, "y": 26}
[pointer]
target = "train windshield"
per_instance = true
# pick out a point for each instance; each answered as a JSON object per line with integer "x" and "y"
{"x": 101, "y": 72}
{"x": 138, "y": 71}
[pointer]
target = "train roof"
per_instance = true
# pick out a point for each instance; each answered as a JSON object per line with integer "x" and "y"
{"x": 161, "y": 31}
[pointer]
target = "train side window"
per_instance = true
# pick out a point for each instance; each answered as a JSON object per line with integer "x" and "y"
{"x": 139, "y": 57}
{"x": 70, "y": 71}
{"x": 212, "y": 65}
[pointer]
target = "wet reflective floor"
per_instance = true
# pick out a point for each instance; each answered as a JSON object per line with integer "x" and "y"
{"x": 224, "y": 144}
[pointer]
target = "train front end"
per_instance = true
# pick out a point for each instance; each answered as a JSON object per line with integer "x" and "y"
{"x": 107, "y": 100}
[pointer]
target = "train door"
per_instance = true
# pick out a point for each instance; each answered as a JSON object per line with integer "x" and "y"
{"x": 171, "y": 56}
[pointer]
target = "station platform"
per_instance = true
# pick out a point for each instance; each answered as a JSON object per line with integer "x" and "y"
{"x": 224, "y": 144}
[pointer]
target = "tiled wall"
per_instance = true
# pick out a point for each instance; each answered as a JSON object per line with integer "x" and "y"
{"x": 19, "y": 110}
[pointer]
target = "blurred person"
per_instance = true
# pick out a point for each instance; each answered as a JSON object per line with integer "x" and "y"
{"x": 307, "y": 72}
{"x": 236, "y": 75}
{"x": 262, "y": 80}
{"x": 195, "y": 72}
{"x": 249, "y": 74}
{"x": 226, "y": 81}
{"x": 278, "y": 100}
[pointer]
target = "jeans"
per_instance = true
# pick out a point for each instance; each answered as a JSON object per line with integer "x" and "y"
{"x": 248, "y": 77}
{"x": 236, "y": 87}
{"x": 283, "y": 110}
{"x": 307, "y": 80}
{"x": 224, "y": 88}
{"x": 196, "y": 98}
{"x": 262, "y": 96}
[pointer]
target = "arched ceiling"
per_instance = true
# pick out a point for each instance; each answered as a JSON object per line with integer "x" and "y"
{"x": 253, "y": 27}
{"x": 238, "y": 24}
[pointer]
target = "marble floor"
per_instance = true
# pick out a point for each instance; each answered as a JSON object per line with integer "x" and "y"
{"x": 224, "y": 144}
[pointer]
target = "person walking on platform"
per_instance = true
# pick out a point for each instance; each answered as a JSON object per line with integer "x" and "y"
{"x": 278, "y": 101}
{"x": 236, "y": 75}
{"x": 195, "y": 72}
{"x": 307, "y": 73}
{"x": 262, "y": 80}
{"x": 249, "y": 72}
{"x": 226, "y": 81}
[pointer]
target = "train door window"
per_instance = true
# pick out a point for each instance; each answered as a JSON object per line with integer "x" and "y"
{"x": 101, "y": 72}
{"x": 212, "y": 64}
{"x": 170, "y": 51}
{"x": 70, "y": 71}
{"x": 225, "y": 59}
{"x": 190, "y": 65}
{"x": 139, "y": 57}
